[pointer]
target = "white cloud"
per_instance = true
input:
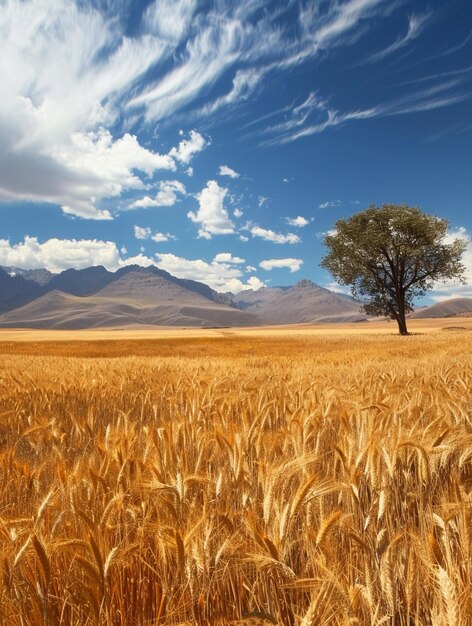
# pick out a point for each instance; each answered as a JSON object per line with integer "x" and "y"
{"x": 261, "y": 200}
{"x": 270, "y": 235}
{"x": 227, "y": 257}
{"x": 66, "y": 64}
{"x": 212, "y": 215}
{"x": 244, "y": 85}
{"x": 329, "y": 203}
{"x": 341, "y": 19}
{"x": 157, "y": 236}
{"x": 218, "y": 275}
{"x": 74, "y": 71}
{"x": 227, "y": 171}
{"x": 454, "y": 289}
{"x": 78, "y": 172}
{"x": 139, "y": 259}
{"x": 142, "y": 233}
{"x": 243, "y": 238}
{"x": 322, "y": 116}
{"x": 416, "y": 25}
{"x": 238, "y": 213}
{"x": 189, "y": 171}
{"x": 57, "y": 255}
{"x": 337, "y": 288}
{"x": 324, "y": 233}
{"x": 188, "y": 147}
{"x": 170, "y": 19}
{"x": 254, "y": 283}
{"x": 292, "y": 264}
{"x": 168, "y": 193}
{"x": 146, "y": 233}
{"x": 298, "y": 222}
{"x": 220, "y": 39}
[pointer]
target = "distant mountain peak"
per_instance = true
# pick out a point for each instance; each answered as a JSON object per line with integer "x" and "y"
{"x": 305, "y": 284}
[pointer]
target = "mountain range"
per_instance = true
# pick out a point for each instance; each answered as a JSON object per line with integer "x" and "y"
{"x": 135, "y": 296}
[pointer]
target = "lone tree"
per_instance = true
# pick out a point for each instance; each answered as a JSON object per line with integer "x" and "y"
{"x": 391, "y": 255}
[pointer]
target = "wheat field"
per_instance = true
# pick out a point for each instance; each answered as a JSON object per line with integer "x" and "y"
{"x": 299, "y": 480}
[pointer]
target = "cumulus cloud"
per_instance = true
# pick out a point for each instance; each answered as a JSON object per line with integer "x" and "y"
{"x": 292, "y": 264}
{"x": 70, "y": 69}
{"x": 140, "y": 259}
{"x": 142, "y": 233}
{"x": 454, "y": 289}
{"x": 221, "y": 276}
{"x": 227, "y": 257}
{"x": 270, "y": 235}
{"x": 238, "y": 213}
{"x": 212, "y": 215}
{"x": 146, "y": 233}
{"x": 78, "y": 172}
{"x": 57, "y": 255}
{"x": 337, "y": 288}
{"x": 228, "y": 171}
{"x": 168, "y": 195}
{"x": 187, "y": 148}
{"x": 66, "y": 63}
{"x": 298, "y": 222}
{"x": 157, "y": 236}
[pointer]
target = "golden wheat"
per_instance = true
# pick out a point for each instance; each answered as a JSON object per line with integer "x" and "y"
{"x": 296, "y": 481}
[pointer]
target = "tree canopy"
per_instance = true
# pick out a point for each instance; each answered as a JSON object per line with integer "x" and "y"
{"x": 391, "y": 255}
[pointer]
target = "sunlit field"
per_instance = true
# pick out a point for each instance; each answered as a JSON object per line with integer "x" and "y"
{"x": 297, "y": 477}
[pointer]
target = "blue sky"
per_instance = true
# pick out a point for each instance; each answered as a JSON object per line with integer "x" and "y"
{"x": 220, "y": 140}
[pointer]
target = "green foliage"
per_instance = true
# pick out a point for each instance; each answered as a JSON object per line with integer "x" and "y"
{"x": 391, "y": 255}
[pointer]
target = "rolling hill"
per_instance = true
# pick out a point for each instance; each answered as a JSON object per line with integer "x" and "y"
{"x": 303, "y": 303}
{"x": 446, "y": 308}
{"x": 133, "y": 298}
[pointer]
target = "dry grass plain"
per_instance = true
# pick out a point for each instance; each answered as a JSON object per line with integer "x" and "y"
{"x": 294, "y": 476}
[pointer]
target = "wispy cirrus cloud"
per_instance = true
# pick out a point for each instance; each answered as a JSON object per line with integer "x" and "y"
{"x": 416, "y": 25}
{"x": 244, "y": 85}
{"x": 77, "y": 79}
{"x": 322, "y": 115}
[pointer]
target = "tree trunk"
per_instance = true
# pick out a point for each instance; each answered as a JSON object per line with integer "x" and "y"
{"x": 401, "y": 319}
